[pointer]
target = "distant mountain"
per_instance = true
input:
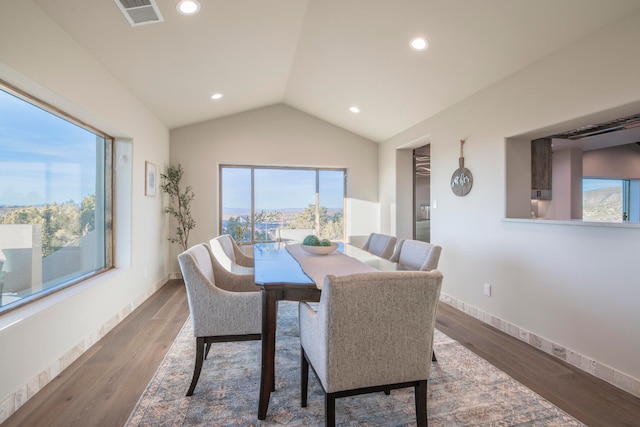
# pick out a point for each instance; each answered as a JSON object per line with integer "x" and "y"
{"x": 603, "y": 204}
{"x": 5, "y": 209}
{"x": 234, "y": 212}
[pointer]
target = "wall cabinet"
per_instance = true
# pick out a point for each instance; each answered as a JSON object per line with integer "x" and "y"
{"x": 541, "y": 169}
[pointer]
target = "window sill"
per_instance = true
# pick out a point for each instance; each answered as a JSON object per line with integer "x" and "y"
{"x": 575, "y": 222}
{"x": 20, "y": 313}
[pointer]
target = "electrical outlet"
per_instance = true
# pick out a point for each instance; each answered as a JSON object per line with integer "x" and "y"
{"x": 487, "y": 289}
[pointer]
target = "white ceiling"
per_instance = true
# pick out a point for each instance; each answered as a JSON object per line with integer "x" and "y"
{"x": 322, "y": 56}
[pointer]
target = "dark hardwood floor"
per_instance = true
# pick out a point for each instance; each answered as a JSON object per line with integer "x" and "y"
{"x": 102, "y": 387}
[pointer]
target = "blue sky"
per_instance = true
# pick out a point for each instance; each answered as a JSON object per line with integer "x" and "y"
{"x": 43, "y": 158}
{"x": 281, "y": 188}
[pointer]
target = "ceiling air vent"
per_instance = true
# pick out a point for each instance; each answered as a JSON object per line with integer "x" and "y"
{"x": 140, "y": 12}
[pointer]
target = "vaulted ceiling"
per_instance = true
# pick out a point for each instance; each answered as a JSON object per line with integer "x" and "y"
{"x": 324, "y": 56}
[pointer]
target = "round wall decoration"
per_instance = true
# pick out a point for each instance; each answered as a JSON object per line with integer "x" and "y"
{"x": 462, "y": 179}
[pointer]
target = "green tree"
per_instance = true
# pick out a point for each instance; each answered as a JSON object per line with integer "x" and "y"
{"x": 326, "y": 226}
{"x": 179, "y": 204}
{"x": 88, "y": 214}
{"x": 333, "y": 228}
{"x": 307, "y": 218}
{"x": 264, "y": 217}
{"x": 60, "y": 224}
{"x": 240, "y": 227}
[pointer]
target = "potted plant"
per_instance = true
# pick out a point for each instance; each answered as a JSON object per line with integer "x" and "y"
{"x": 179, "y": 204}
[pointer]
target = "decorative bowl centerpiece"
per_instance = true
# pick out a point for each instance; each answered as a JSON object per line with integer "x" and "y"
{"x": 320, "y": 250}
{"x": 313, "y": 245}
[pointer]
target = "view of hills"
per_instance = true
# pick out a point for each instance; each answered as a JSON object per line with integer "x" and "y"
{"x": 287, "y": 213}
{"x": 603, "y": 204}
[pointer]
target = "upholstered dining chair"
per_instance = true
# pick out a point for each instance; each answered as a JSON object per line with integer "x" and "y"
{"x": 417, "y": 255}
{"x": 370, "y": 332}
{"x": 380, "y": 244}
{"x": 229, "y": 254}
{"x": 223, "y": 306}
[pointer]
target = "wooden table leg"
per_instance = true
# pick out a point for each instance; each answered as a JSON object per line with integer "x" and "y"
{"x": 267, "y": 377}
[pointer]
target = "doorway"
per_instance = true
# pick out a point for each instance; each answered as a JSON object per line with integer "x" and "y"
{"x": 422, "y": 193}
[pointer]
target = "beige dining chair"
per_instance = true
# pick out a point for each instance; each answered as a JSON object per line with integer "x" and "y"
{"x": 417, "y": 255}
{"x": 380, "y": 244}
{"x": 223, "y": 306}
{"x": 229, "y": 254}
{"x": 370, "y": 332}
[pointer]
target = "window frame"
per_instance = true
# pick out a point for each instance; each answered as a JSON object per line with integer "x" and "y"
{"x": 108, "y": 179}
{"x": 252, "y": 173}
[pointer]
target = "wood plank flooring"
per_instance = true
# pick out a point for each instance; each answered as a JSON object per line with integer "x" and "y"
{"x": 587, "y": 398}
{"x": 103, "y": 386}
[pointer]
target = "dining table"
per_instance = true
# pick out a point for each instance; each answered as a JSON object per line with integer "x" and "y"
{"x": 286, "y": 272}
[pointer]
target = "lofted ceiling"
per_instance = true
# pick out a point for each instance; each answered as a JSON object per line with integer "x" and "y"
{"x": 323, "y": 56}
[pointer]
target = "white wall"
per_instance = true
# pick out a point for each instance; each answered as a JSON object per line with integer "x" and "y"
{"x": 622, "y": 161}
{"x": 573, "y": 285}
{"x": 39, "y": 340}
{"x": 566, "y": 184}
{"x": 277, "y": 135}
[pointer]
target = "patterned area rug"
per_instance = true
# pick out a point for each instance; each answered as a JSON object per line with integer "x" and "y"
{"x": 463, "y": 390}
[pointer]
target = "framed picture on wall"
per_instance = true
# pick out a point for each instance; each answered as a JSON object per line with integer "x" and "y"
{"x": 149, "y": 179}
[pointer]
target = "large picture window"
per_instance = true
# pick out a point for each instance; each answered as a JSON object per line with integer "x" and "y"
{"x": 55, "y": 199}
{"x": 266, "y": 204}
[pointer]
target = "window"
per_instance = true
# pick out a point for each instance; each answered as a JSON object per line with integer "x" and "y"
{"x": 606, "y": 199}
{"x": 264, "y": 204}
{"x": 55, "y": 199}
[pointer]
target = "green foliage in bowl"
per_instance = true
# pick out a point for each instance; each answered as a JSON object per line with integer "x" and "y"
{"x": 311, "y": 240}
{"x": 325, "y": 242}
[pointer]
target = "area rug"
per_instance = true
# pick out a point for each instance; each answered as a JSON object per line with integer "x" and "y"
{"x": 463, "y": 390}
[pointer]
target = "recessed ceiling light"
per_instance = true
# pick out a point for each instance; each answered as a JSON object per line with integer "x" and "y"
{"x": 419, "y": 43}
{"x": 188, "y": 7}
{"x": 354, "y": 109}
{"x": 217, "y": 96}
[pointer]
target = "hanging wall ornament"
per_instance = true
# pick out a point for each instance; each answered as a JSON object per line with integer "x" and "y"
{"x": 461, "y": 180}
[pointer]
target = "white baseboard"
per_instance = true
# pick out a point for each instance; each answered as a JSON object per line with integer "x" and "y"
{"x": 619, "y": 379}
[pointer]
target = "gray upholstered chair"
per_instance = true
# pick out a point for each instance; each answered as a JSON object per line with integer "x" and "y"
{"x": 371, "y": 332}
{"x": 230, "y": 256}
{"x": 380, "y": 244}
{"x": 417, "y": 255}
{"x": 224, "y": 306}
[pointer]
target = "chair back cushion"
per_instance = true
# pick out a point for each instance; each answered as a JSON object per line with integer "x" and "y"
{"x": 224, "y": 245}
{"x": 372, "y": 329}
{"x": 197, "y": 261}
{"x": 417, "y": 255}
{"x": 381, "y": 245}
{"x": 229, "y": 254}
